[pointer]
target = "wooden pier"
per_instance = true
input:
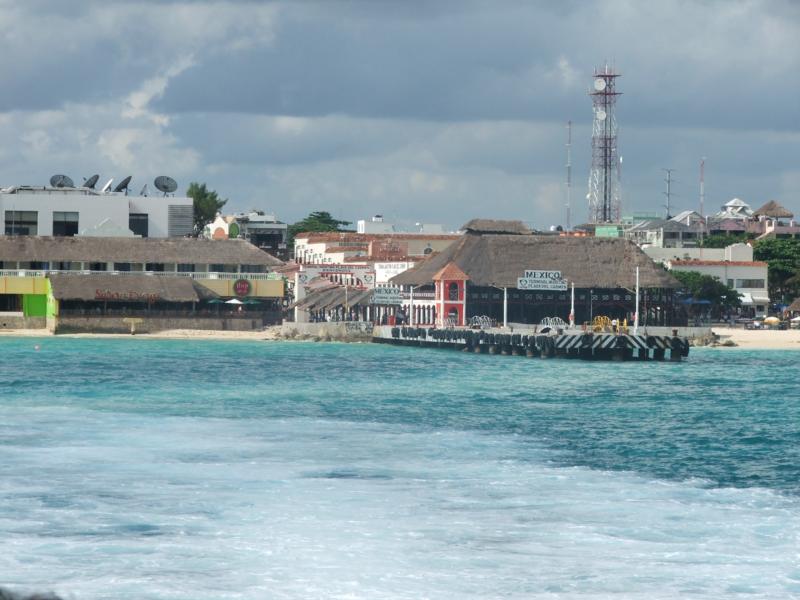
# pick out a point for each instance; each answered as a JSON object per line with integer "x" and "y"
{"x": 557, "y": 344}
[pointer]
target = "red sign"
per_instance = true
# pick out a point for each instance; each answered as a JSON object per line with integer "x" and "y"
{"x": 241, "y": 287}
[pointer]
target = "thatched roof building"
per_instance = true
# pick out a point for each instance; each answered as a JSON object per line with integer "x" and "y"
{"x": 132, "y": 250}
{"x": 498, "y": 260}
{"x": 774, "y": 210}
{"x": 128, "y": 288}
{"x": 482, "y": 226}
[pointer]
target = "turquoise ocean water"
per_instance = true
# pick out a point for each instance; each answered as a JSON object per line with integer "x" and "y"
{"x": 143, "y": 469}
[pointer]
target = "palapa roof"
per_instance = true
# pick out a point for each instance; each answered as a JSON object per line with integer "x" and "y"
{"x": 451, "y": 272}
{"x": 774, "y": 210}
{"x": 138, "y": 250}
{"x": 499, "y": 260}
{"x": 128, "y": 288}
{"x": 331, "y": 297}
{"x": 495, "y": 226}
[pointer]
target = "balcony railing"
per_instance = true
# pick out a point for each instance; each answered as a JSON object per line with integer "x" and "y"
{"x": 195, "y": 275}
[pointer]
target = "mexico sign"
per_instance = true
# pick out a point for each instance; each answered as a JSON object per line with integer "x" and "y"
{"x": 542, "y": 280}
{"x": 386, "y": 295}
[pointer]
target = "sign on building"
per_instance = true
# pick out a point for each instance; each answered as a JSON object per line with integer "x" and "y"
{"x": 361, "y": 275}
{"x": 384, "y": 271}
{"x": 386, "y": 295}
{"x": 542, "y": 280}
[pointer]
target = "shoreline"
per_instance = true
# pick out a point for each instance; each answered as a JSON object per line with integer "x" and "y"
{"x": 269, "y": 334}
{"x": 743, "y": 338}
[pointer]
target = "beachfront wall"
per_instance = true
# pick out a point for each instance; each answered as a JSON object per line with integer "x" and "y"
{"x": 128, "y": 324}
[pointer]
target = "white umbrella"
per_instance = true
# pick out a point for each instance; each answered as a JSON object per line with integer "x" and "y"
{"x": 234, "y": 301}
{"x": 796, "y": 319}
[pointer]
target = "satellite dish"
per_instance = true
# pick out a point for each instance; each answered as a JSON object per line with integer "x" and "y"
{"x": 91, "y": 182}
{"x": 165, "y": 184}
{"x": 144, "y": 191}
{"x": 601, "y": 115}
{"x": 107, "y": 186}
{"x": 599, "y": 84}
{"x": 61, "y": 181}
{"x": 122, "y": 186}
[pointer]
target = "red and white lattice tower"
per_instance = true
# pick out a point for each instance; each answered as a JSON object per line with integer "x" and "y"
{"x": 604, "y": 187}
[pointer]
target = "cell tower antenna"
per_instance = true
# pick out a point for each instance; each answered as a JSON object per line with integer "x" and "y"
{"x": 669, "y": 193}
{"x": 569, "y": 174}
{"x": 604, "y": 188}
{"x": 702, "y": 186}
{"x": 702, "y": 197}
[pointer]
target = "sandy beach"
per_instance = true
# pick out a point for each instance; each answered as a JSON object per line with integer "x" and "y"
{"x": 766, "y": 339}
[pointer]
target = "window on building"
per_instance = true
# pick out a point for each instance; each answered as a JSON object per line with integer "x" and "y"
{"x": 155, "y": 267}
{"x": 750, "y": 283}
{"x": 452, "y": 291}
{"x": 139, "y": 223}
{"x": 124, "y": 266}
{"x": 730, "y": 283}
{"x": 65, "y": 223}
{"x": 22, "y": 222}
{"x": 98, "y": 266}
{"x": 253, "y": 269}
{"x": 185, "y": 268}
{"x": 11, "y": 302}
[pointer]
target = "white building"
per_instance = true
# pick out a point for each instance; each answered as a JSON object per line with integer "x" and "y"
{"x": 70, "y": 211}
{"x": 733, "y": 253}
{"x": 374, "y": 225}
{"x": 735, "y": 268}
{"x": 734, "y": 209}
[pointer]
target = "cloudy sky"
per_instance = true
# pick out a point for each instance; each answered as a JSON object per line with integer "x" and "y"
{"x": 424, "y": 111}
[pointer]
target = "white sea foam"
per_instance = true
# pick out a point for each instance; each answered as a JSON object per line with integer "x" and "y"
{"x": 107, "y": 505}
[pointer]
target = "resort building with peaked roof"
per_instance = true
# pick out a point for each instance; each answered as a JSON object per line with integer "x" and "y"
{"x": 478, "y": 276}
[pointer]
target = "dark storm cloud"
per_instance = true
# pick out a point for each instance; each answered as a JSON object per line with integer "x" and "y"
{"x": 683, "y": 64}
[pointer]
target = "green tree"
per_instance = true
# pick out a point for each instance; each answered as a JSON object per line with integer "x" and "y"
{"x": 722, "y": 240}
{"x": 316, "y": 221}
{"x": 783, "y": 258}
{"x": 707, "y": 287}
{"x": 206, "y": 204}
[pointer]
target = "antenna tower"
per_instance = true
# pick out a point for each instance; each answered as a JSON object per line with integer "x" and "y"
{"x": 604, "y": 193}
{"x": 702, "y": 184}
{"x": 569, "y": 174}
{"x": 669, "y": 193}
{"x": 702, "y": 196}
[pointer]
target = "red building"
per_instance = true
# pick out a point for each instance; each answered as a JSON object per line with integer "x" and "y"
{"x": 451, "y": 297}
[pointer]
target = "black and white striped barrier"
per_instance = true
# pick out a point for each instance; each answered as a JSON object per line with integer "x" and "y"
{"x": 565, "y": 344}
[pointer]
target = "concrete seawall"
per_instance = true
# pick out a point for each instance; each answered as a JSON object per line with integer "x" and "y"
{"x": 98, "y": 324}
